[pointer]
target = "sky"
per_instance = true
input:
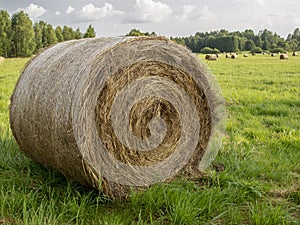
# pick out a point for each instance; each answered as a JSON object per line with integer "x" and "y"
{"x": 174, "y": 18}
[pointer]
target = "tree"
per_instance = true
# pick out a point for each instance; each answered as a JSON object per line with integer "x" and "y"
{"x": 293, "y": 45}
{"x": 59, "y": 34}
{"x": 38, "y": 37}
{"x": 90, "y": 32}
{"x": 49, "y": 35}
{"x": 22, "y": 35}
{"x": 5, "y": 33}
{"x": 68, "y": 33}
{"x": 249, "y": 44}
{"x": 77, "y": 34}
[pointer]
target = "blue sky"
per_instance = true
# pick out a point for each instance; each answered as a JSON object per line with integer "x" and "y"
{"x": 165, "y": 17}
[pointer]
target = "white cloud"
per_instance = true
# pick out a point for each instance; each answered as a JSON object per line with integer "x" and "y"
{"x": 94, "y": 13}
{"x": 34, "y": 11}
{"x": 70, "y": 9}
{"x": 57, "y": 13}
{"x": 150, "y": 11}
{"x": 187, "y": 9}
{"x": 191, "y": 12}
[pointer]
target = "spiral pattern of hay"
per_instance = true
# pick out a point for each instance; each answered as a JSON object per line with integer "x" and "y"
{"x": 117, "y": 113}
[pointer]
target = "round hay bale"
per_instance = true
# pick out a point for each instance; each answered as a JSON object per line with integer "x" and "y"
{"x": 234, "y": 56}
{"x": 295, "y": 54}
{"x": 246, "y": 55}
{"x": 210, "y": 57}
{"x": 284, "y": 56}
{"x": 1, "y": 59}
{"x": 118, "y": 113}
{"x": 273, "y": 54}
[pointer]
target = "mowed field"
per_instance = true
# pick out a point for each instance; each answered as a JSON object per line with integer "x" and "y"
{"x": 255, "y": 178}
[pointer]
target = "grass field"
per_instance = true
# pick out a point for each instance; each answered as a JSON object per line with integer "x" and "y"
{"x": 261, "y": 156}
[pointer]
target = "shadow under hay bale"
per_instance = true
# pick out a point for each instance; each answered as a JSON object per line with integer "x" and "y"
{"x": 118, "y": 113}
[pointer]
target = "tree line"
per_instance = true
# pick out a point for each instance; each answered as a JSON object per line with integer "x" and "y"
{"x": 19, "y": 37}
{"x": 225, "y": 41}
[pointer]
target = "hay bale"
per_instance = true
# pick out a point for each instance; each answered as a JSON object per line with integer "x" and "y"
{"x": 1, "y": 59}
{"x": 246, "y": 55}
{"x": 210, "y": 57}
{"x": 284, "y": 56}
{"x": 234, "y": 56}
{"x": 273, "y": 54}
{"x": 228, "y": 55}
{"x": 295, "y": 54}
{"x": 118, "y": 113}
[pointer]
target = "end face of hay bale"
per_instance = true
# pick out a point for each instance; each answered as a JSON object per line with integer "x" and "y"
{"x": 125, "y": 112}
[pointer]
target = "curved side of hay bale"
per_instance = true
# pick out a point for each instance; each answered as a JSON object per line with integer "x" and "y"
{"x": 284, "y": 56}
{"x": 121, "y": 112}
{"x": 295, "y": 54}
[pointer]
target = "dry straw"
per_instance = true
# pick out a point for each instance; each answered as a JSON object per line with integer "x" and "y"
{"x": 118, "y": 113}
{"x": 1, "y": 59}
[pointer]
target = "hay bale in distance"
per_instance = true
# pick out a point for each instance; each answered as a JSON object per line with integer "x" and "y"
{"x": 1, "y": 59}
{"x": 246, "y": 55}
{"x": 118, "y": 113}
{"x": 284, "y": 56}
{"x": 210, "y": 57}
{"x": 234, "y": 56}
{"x": 273, "y": 54}
{"x": 295, "y": 54}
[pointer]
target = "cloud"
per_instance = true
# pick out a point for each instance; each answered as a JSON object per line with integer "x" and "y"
{"x": 70, "y": 9}
{"x": 33, "y": 10}
{"x": 57, "y": 13}
{"x": 91, "y": 12}
{"x": 191, "y": 12}
{"x": 149, "y": 11}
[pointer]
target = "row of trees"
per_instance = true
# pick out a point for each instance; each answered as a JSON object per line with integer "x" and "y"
{"x": 225, "y": 41}
{"x": 19, "y": 37}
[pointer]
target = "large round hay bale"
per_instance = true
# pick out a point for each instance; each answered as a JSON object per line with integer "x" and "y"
{"x": 118, "y": 113}
{"x": 295, "y": 54}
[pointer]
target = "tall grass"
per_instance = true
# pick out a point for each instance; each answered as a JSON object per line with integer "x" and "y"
{"x": 260, "y": 156}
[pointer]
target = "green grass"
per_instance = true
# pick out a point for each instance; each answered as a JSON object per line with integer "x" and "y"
{"x": 261, "y": 156}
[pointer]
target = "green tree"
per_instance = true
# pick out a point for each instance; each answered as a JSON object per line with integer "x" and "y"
{"x": 38, "y": 37}
{"x": 59, "y": 34}
{"x": 90, "y": 32}
{"x": 293, "y": 45}
{"x": 49, "y": 35}
{"x": 5, "y": 33}
{"x": 135, "y": 32}
{"x": 77, "y": 34}
{"x": 22, "y": 35}
{"x": 68, "y": 33}
{"x": 249, "y": 44}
